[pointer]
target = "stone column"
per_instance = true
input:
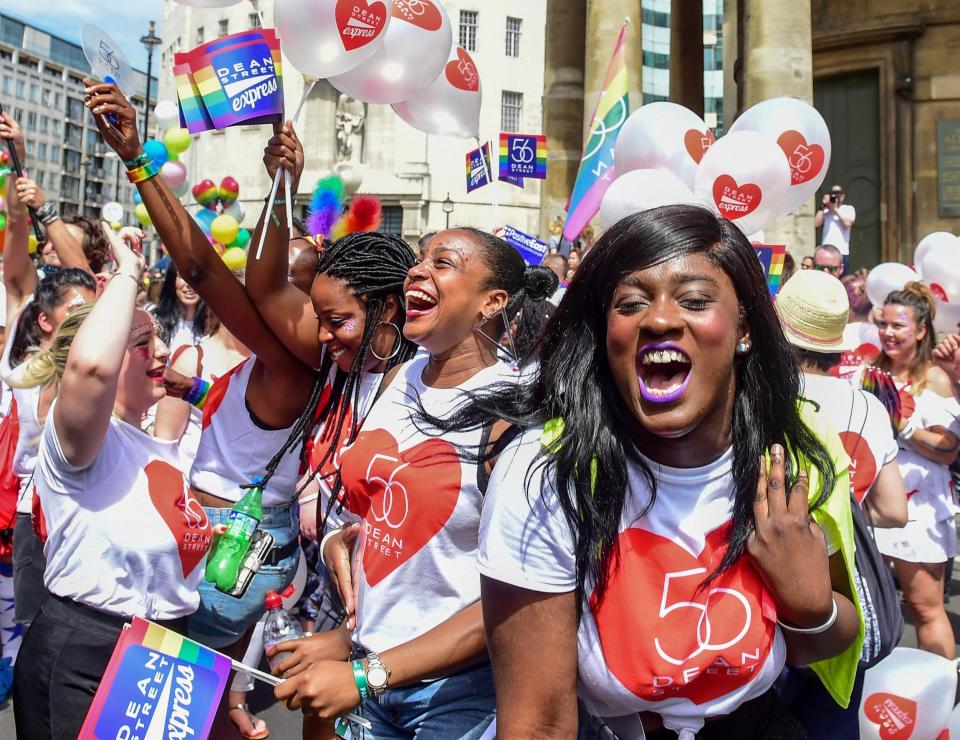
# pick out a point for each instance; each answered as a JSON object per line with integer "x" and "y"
{"x": 777, "y": 44}
{"x": 686, "y": 54}
{"x": 562, "y": 105}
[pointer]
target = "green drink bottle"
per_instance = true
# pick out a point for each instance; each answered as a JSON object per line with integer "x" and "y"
{"x": 223, "y": 565}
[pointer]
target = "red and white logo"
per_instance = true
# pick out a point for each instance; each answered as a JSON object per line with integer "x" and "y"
{"x": 359, "y": 22}
{"x": 182, "y": 513}
{"x": 661, "y": 630}
{"x": 697, "y": 143}
{"x": 422, "y": 13}
{"x": 735, "y": 201}
{"x": 863, "y": 465}
{"x": 462, "y": 72}
{"x": 806, "y": 160}
{"x": 895, "y": 715}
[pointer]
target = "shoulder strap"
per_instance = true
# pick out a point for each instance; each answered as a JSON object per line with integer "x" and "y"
{"x": 509, "y": 434}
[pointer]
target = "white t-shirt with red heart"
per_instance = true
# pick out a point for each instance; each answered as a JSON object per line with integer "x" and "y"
{"x": 656, "y": 642}
{"x": 863, "y": 424}
{"x": 419, "y": 507}
{"x": 124, "y": 533}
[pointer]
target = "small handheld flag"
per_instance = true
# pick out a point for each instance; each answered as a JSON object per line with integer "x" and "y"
{"x": 771, "y": 258}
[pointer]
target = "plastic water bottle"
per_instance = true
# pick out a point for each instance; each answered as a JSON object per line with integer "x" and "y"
{"x": 223, "y": 565}
{"x": 280, "y": 625}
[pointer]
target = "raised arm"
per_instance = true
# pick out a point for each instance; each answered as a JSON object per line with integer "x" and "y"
{"x": 68, "y": 248}
{"x": 19, "y": 274}
{"x": 196, "y": 260}
{"x": 88, "y": 389}
{"x": 173, "y": 413}
{"x": 287, "y": 311}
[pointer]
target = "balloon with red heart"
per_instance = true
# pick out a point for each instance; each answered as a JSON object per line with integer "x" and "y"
{"x": 451, "y": 105}
{"x": 908, "y": 694}
{"x": 413, "y": 54}
{"x": 746, "y": 177}
{"x": 228, "y": 191}
{"x": 663, "y": 136}
{"x": 801, "y": 133}
{"x": 931, "y": 240}
{"x": 940, "y": 266}
{"x": 324, "y": 38}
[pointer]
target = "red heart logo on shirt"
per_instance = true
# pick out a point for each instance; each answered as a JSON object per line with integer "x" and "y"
{"x": 735, "y": 201}
{"x": 697, "y": 143}
{"x": 664, "y": 636}
{"x": 410, "y": 496}
{"x": 185, "y": 517}
{"x": 320, "y": 444}
{"x": 422, "y": 13}
{"x": 462, "y": 72}
{"x": 908, "y": 404}
{"x": 863, "y": 465}
{"x": 896, "y": 715}
{"x": 359, "y": 22}
{"x": 216, "y": 394}
{"x": 806, "y": 160}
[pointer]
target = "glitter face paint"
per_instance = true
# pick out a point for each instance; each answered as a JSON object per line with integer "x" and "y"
{"x": 350, "y": 325}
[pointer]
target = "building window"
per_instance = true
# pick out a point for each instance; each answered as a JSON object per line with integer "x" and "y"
{"x": 223, "y": 27}
{"x": 468, "y": 29}
{"x": 21, "y": 86}
{"x": 44, "y": 124}
{"x": 42, "y": 152}
{"x": 199, "y": 35}
{"x": 18, "y": 115}
{"x": 55, "y": 126}
{"x": 55, "y": 153}
{"x": 6, "y": 85}
{"x": 57, "y": 99}
{"x": 513, "y": 36}
{"x": 254, "y": 19}
{"x": 391, "y": 220}
{"x": 41, "y": 173}
{"x": 34, "y": 93}
{"x": 32, "y": 121}
{"x": 511, "y": 111}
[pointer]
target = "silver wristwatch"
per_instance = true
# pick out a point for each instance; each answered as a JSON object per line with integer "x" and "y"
{"x": 378, "y": 675}
{"x": 47, "y": 213}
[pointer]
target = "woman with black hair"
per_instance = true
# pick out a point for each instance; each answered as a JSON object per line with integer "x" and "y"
{"x": 640, "y": 533}
{"x": 181, "y": 312}
{"x": 928, "y": 434}
{"x": 424, "y": 667}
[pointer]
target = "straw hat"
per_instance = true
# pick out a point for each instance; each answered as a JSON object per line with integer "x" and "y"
{"x": 812, "y": 307}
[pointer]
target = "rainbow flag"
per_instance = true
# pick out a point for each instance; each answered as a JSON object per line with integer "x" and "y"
{"x": 193, "y": 115}
{"x": 771, "y": 258}
{"x": 596, "y": 165}
{"x": 523, "y": 155}
{"x": 157, "y": 685}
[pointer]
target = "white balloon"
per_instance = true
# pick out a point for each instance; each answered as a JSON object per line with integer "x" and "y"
{"x": 757, "y": 238}
{"x": 941, "y": 270}
{"x": 639, "y": 190}
{"x": 111, "y": 212}
{"x": 209, "y": 3}
{"x": 414, "y": 50}
{"x": 907, "y": 694}
{"x": 886, "y": 278}
{"x": 947, "y": 320}
{"x": 451, "y": 105}
{"x": 323, "y": 38}
{"x": 167, "y": 115}
{"x": 747, "y": 179}
{"x": 802, "y": 134}
{"x": 929, "y": 241}
{"x": 663, "y": 136}
{"x": 236, "y": 210}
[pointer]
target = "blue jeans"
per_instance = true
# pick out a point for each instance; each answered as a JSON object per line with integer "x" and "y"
{"x": 221, "y": 620}
{"x": 459, "y": 706}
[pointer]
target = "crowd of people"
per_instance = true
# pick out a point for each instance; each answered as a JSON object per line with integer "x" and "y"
{"x": 623, "y": 494}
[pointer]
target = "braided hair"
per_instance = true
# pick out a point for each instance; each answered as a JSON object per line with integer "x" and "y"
{"x": 374, "y": 266}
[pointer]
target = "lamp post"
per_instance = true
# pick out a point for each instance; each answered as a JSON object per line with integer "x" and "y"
{"x": 447, "y": 206}
{"x": 150, "y": 41}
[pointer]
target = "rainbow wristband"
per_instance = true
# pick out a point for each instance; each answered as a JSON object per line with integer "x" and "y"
{"x": 360, "y": 676}
{"x": 143, "y": 172}
{"x": 197, "y": 395}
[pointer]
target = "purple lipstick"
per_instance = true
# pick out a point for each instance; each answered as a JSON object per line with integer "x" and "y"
{"x": 663, "y": 371}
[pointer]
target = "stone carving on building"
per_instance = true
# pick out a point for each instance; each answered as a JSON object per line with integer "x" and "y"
{"x": 350, "y": 116}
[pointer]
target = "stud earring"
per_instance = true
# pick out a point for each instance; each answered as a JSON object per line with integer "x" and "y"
{"x": 743, "y": 347}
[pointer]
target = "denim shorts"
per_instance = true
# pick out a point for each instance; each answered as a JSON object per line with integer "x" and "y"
{"x": 459, "y": 706}
{"x": 221, "y": 620}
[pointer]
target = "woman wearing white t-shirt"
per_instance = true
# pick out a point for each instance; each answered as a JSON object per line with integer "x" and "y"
{"x": 929, "y": 438}
{"x": 125, "y": 536}
{"x": 634, "y": 536}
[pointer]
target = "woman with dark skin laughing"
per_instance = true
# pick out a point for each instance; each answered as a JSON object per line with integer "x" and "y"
{"x": 666, "y": 530}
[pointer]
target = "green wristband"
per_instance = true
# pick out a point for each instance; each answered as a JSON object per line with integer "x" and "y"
{"x": 360, "y": 676}
{"x": 139, "y": 161}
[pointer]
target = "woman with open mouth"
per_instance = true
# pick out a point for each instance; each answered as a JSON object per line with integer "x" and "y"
{"x": 674, "y": 526}
{"x": 414, "y": 591}
{"x": 927, "y": 434}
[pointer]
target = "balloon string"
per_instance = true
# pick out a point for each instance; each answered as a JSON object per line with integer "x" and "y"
{"x": 488, "y": 171}
{"x": 288, "y": 180}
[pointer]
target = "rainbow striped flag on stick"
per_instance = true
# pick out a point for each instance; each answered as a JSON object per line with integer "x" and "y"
{"x": 596, "y": 165}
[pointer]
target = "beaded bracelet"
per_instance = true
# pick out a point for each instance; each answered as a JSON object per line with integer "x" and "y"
{"x": 360, "y": 676}
{"x": 197, "y": 395}
{"x": 143, "y": 172}
{"x": 141, "y": 159}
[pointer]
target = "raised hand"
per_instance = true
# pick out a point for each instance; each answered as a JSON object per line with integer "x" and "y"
{"x": 10, "y": 130}
{"x": 120, "y": 133}
{"x": 30, "y": 193}
{"x": 126, "y": 249}
{"x": 284, "y": 150}
{"x": 947, "y": 356}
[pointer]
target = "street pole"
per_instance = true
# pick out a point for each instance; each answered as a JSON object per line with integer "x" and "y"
{"x": 150, "y": 41}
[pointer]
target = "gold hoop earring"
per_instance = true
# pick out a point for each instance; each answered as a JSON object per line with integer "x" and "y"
{"x": 396, "y": 345}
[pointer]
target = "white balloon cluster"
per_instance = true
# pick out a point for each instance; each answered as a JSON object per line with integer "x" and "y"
{"x": 773, "y": 159}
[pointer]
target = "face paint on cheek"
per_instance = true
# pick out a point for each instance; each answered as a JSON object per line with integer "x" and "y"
{"x": 142, "y": 352}
{"x": 350, "y": 325}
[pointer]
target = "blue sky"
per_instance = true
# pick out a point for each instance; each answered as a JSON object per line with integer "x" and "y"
{"x": 124, "y": 20}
